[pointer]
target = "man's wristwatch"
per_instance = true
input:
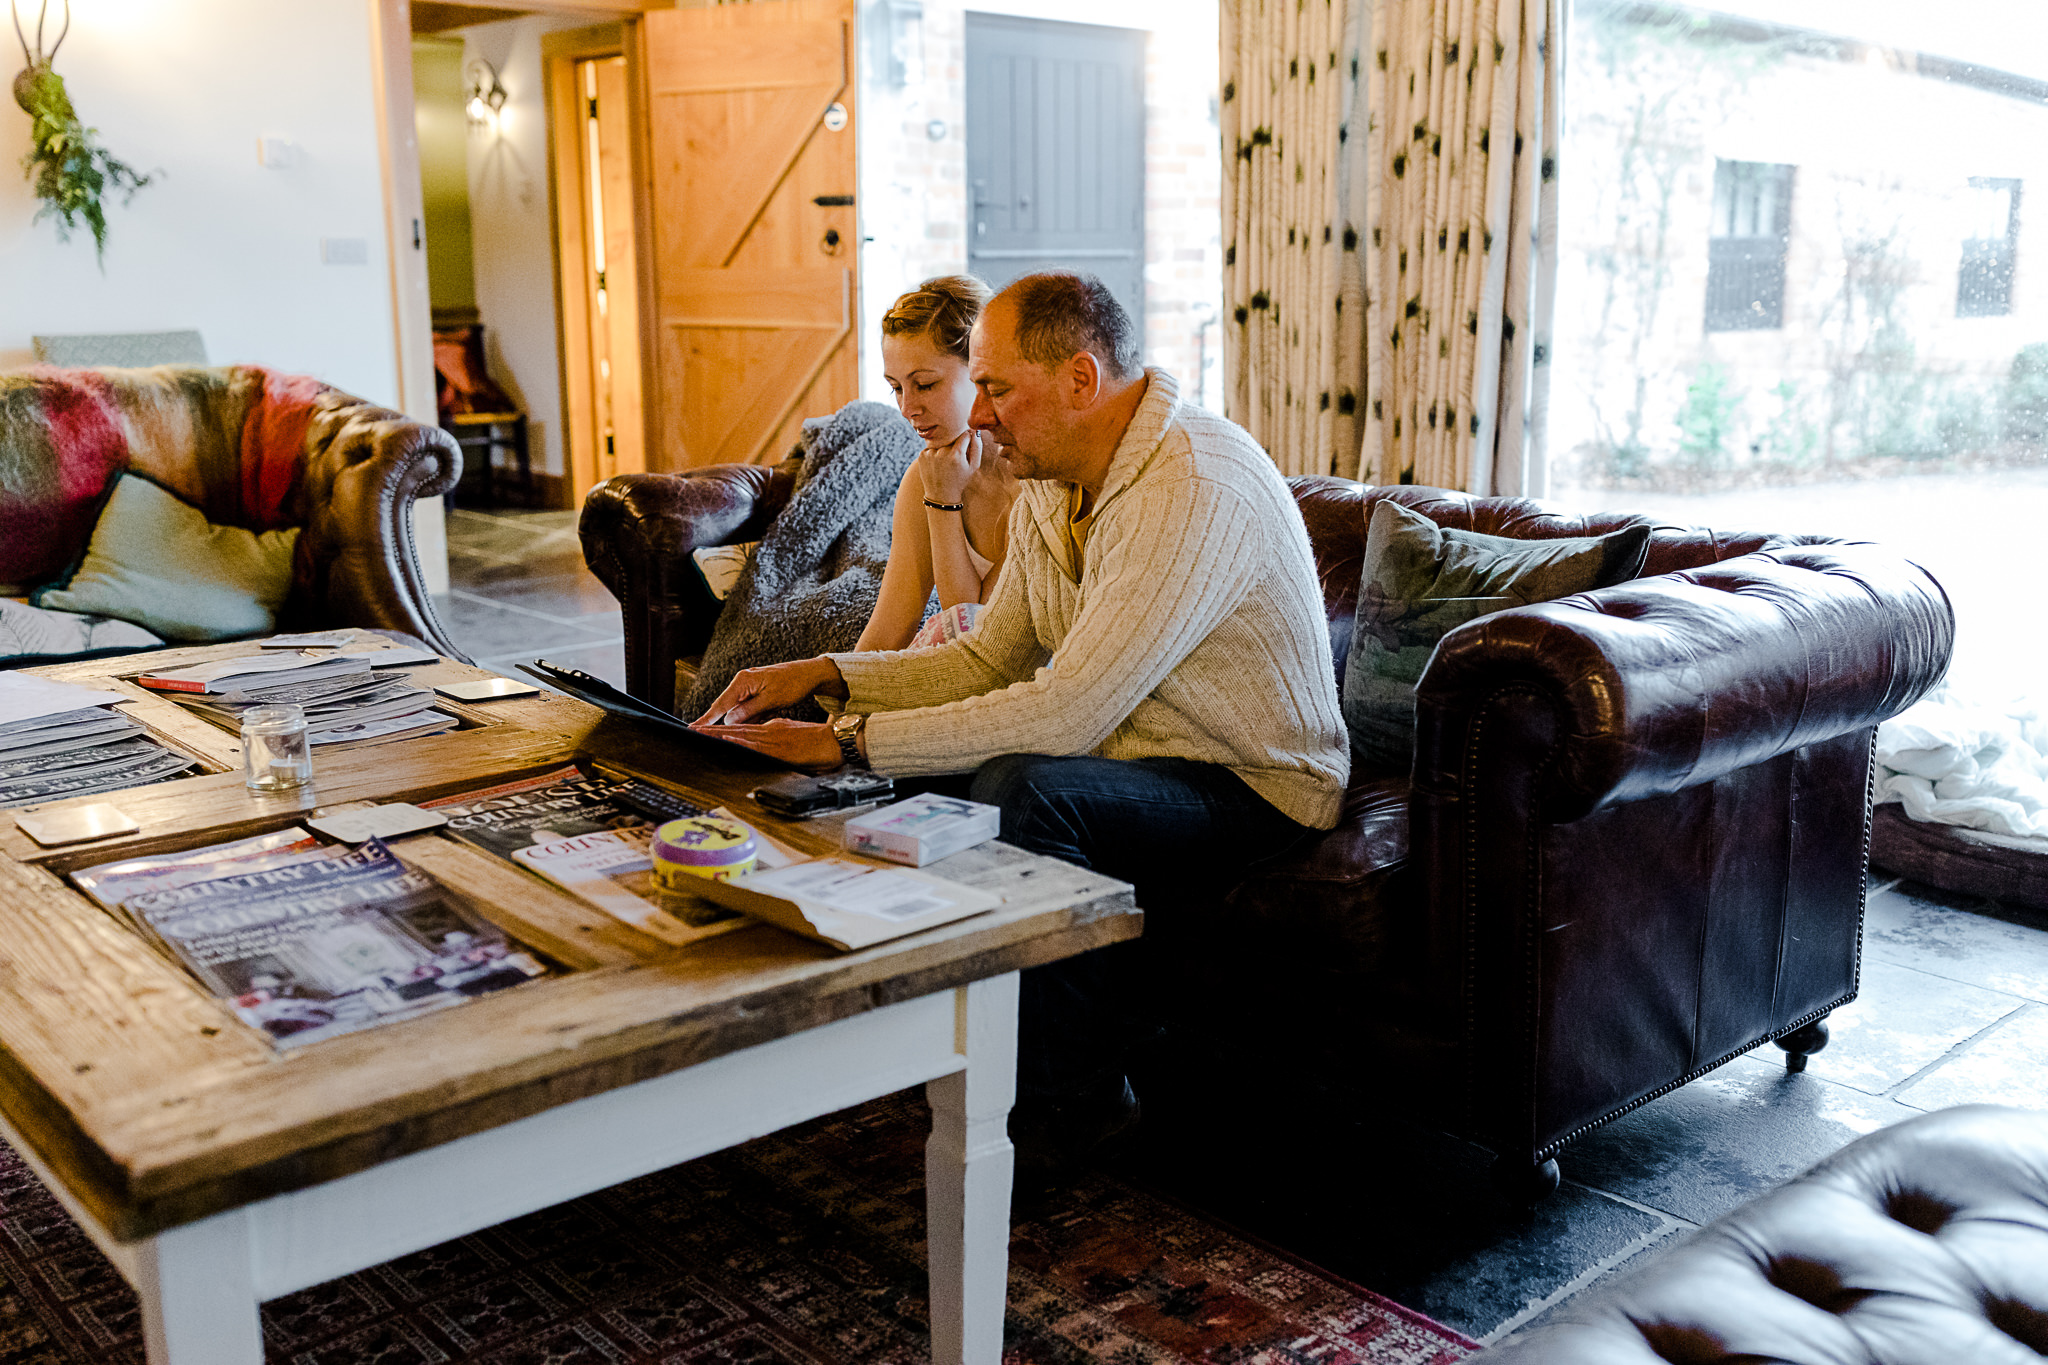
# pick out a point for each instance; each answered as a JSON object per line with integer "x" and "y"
{"x": 847, "y": 728}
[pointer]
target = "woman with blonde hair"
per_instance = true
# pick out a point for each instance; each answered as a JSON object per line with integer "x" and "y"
{"x": 951, "y": 523}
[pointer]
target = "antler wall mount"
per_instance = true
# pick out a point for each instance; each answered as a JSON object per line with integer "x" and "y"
{"x": 68, "y": 168}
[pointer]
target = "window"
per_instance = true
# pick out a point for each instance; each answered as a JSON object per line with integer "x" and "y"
{"x": 1746, "y": 246}
{"x": 1984, "y": 286}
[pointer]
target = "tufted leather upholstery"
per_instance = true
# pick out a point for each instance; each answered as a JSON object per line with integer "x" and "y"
{"x": 637, "y": 532}
{"x": 1631, "y": 847}
{"x": 251, "y": 448}
{"x": 1922, "y": 1244}
{"x": 356, "y": 565}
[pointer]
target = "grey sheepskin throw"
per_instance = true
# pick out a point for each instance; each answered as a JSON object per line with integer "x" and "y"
{"x": 812, "y": 585}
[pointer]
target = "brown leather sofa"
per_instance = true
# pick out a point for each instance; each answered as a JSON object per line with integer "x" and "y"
{"x": 256, "y": 449}
{"x": 1925, "y": 1243}
{"x": 1632, "y": 845}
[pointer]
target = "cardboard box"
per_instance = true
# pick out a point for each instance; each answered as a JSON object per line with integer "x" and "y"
{"x": 923, "y": 829}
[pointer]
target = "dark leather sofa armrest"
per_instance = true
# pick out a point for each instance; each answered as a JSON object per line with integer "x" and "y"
{"x": 356, "y": 562}
{"x": 638, "y": 531}
{"x": 1662, "y": 683}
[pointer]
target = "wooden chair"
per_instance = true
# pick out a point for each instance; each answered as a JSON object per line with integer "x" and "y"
{"x": 481, "y": 416}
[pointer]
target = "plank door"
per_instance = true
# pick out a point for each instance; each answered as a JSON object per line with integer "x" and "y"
{"x": 592, "y": 129}
{"x": 756, "y": 240}
{"x": 1056, "y": 152}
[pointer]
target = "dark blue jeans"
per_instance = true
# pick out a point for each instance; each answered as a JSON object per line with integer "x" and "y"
{"x": 1171, "y": 827}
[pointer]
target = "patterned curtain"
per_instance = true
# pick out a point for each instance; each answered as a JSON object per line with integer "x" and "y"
{"x": 1391, "y": 262}
{"x": 1294, "y": 191}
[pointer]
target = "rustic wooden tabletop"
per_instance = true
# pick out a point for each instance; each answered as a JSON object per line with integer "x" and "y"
{"x": 155, "y": 1106}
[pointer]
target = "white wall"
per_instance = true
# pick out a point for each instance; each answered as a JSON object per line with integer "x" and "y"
{"x": 511, "y": 232}
{"x": 220, "y": 243}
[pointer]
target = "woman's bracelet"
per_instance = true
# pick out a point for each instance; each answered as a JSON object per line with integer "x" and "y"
{"x": 945, "y": 506}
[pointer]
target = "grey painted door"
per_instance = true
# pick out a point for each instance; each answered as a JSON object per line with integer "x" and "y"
{"x": 1056, "y": 152}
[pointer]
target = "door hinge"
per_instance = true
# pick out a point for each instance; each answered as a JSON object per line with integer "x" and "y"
{"x": 593, "y": 106}
{"x": 609, "y": 449}
{"x": 600, "y": 279}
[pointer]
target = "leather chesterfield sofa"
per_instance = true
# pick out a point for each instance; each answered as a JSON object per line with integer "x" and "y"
{"x": 250, "y": 447}
{"x": 1632, "y": 845}
{"x": 1922, "y": 1244}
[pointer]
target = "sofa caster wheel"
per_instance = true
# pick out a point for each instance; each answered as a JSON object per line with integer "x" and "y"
{"x": 1523, "y": 1183}
{"x": 1802, "y": 1043}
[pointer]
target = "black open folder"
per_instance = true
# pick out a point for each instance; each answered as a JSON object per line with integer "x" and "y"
{"x": 603, "y": 695}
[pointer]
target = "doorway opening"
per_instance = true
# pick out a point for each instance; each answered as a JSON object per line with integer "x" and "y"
{"x": 590, "y": 106}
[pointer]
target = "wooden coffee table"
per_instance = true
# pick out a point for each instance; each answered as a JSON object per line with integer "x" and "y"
{"x": 216, "y": 1173}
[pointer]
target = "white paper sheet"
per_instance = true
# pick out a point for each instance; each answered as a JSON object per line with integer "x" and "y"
{"x": 25, "y": 697}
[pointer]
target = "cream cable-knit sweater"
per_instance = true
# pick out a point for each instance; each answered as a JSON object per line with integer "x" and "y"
{"x": 1196, "y": 630}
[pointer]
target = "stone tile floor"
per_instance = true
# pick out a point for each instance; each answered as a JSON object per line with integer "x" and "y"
{"x": 1954, "y": 1010}
{"x": 519, "y": 592}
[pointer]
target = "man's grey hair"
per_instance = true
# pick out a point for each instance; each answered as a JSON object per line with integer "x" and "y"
{"x": 1061, "y": 313}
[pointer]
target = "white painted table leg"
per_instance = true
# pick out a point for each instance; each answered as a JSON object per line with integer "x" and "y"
{"x": 968, "y": 1165}
{"x": 199, "y": 1295}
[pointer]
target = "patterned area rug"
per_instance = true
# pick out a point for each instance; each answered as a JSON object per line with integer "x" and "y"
{"x": 805, "y": 1247}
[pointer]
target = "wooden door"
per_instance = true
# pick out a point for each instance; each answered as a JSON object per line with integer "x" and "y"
{"x": 1056, "y": 152}
{"x": 591, "y": 130}
{"x": 755, "y": 235}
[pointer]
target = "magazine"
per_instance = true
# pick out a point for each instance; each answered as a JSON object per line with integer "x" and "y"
{"x": 851, "y": 905}
{"x": 168, "y": 763}
{"x": 251, "y": 672}
{"x": 553, "y": 806}
{"x": 316, "y": 949}
{"x": 409, "y": 726}
{"x": 124, "y": 751}
{"x": 62, "y": 725}
{"x": 613, "y": 869}
{"x": 113, "y": 884}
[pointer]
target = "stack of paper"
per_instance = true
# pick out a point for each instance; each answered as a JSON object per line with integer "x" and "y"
{"x": 347, "y": 704}
{"x": 58, "y": 740}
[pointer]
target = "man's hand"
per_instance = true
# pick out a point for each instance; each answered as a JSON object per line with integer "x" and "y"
{"x": 811, "y": 747}
{"x": 947, "y": 470}
{"x": 754, "y": 690}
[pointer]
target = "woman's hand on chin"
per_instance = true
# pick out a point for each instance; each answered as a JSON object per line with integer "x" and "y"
{"x": 947, "y": 469}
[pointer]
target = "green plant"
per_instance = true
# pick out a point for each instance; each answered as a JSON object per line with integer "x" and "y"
{"x": 2026, "y": 396}
{"x": 70, "y": 170}
{"x": 1708, "y": 417}
{"x": 1791, "y": 439}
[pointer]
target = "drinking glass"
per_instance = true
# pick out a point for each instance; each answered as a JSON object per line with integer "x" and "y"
{"x": 277, "y": 754}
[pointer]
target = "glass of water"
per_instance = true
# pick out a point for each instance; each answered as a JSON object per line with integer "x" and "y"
{"x": 277, "y": 755}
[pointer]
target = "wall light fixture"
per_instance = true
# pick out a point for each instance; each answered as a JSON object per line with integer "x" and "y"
{"x": 486, "y": 94}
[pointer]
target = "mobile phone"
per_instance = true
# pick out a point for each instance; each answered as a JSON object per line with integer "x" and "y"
{"x": 485, "y": 689}
{"x": 799, "y": 795}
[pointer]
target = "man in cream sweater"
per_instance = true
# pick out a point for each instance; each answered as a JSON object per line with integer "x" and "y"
{"x": 1150, "y": 691}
